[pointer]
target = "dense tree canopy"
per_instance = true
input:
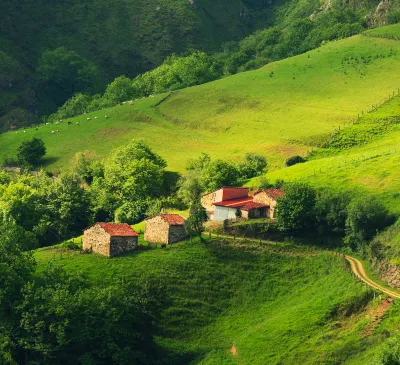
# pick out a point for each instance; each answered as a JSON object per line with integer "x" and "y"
{"x": 30, "y": 152}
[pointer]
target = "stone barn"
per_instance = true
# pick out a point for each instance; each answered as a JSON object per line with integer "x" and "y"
{"x": 165, "y": 228}
{"x": 110, "y": 239}
{"x": 268, "y": 198}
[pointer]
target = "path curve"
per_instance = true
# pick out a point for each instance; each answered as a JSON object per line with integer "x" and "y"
{"x": 358, "y": 269}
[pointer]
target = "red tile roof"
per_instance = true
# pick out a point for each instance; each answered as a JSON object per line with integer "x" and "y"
{"x": 118, "y": 229}
{"x": 234, "y": 203}
{"x": 173, "y": 219}
{"x": 273, "y": 193}
{"x": 252, "y": 205}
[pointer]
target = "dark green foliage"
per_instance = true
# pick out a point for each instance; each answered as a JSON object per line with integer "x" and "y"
{"x": 296, "y": 209}
{"x": 31, "y": 152}
{"x": 253, "y": 165}
{"x": 197, "y": 217}
{"x": 391, "y": 353}
{"x": 62, "y": 73}
{"x": 219, "y": 173}
{"x": 61, "y": 316}
{"x": 294, "y": 160}
{"x": 331, "y": 211}
{"x": 366, "y": 217}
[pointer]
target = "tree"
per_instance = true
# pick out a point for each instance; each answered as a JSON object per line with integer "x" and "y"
{"x": 366, "y": 217}
{"x": 253, "y": 165}
{"x": 119, "y": 90}
{"x": 190, "y": 188}
{"x": 132, "y": 175}
{"x": 87, "y": 165}
{"x": 30, "y": 152}
{"x": 331, "y": 211}
{"x": 219, "y": 173}
{"x": 296, "y": 208}
{"x": 197, "y": 217}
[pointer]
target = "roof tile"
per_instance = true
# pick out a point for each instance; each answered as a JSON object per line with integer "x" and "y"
{"x": 118, "y": 229}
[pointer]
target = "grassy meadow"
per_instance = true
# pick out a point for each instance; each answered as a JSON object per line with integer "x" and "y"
{"x": 282, "y": 109}
{"x": 240, "y": 303}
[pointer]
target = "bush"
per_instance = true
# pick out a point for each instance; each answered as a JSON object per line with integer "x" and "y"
{"x": 31, "y": 152}
{"x": 296, "y": 209}
{"x": 366, "y": 217}
{"x": 253, "y": 165}
{"x": 294, "y": 160}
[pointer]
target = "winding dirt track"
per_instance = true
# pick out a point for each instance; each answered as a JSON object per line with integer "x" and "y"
{"x": 358, "y": 270}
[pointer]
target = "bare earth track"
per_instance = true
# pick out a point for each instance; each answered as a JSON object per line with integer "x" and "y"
{"x": 358, "y": 270}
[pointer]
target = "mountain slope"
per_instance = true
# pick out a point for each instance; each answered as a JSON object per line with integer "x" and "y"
{"x": 243, "y": 304}
{"x": 283, "y": 109}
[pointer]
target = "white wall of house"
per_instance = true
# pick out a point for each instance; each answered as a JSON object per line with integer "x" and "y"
{"x": 222, "y": 213}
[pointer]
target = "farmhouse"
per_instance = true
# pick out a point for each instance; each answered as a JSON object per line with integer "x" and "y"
{"x": 229, "y": 202}
{"x": 110, "y": 239}
{"x": 165, "y": 228}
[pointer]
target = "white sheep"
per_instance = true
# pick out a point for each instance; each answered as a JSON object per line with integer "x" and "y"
{"x": 47, "y": 123}
{"x": 95, "y": 117}
{"x": 52, "y": 132}
{"x": 77, "y": 123}
{"x": 106, "y": 117}
{"x": 86, "y": 119}
{"x": 57, "y": 123}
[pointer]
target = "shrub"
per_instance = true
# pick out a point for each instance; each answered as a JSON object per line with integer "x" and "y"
{"x": 253, "y": 165}
{"x": 30, "y": 152}
{"x": 366, "y": 216}
{"x": 296, "y": 209}
{"x": 294, "y": 160}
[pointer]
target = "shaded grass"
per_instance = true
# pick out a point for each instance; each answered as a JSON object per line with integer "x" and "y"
{"x": 274, "y": 308}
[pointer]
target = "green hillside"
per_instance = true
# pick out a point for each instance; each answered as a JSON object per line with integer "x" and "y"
{"x": 285, "y": 108}
{"x": 273, "y": 304}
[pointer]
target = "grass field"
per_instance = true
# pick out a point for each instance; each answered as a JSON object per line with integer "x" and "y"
{"x": 274, "y": 304}
{"x": 280, "y": 110}
{"x": 372, "y": 165}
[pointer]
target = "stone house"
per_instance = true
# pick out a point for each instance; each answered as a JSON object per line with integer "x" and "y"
{"x": 225, "y": 203}
{"x": 165, "y": 228}
{"x": 268, "y": 198}
{"x": 110, "y": 239}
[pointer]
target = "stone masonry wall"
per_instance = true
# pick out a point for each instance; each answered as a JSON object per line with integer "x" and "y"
{"x": 121, "y": 245}
{"x": 264, "y": 198}
{"x": 176, "y": 234}
{"x": 96, "y": 239}
{"x": 208, "y": 200}
{"x": 388, "y": 272}
{"x": 156, "y": 230}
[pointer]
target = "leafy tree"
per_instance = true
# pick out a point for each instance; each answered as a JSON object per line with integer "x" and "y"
{"x": 87, "y": 165}
{"x": 331, "y": 211}
{"x": 253, "y": 165}
{"x": 4, "y": 178}
{"x": 119, "y": 90}
{"x": 190, "y": 188}
{"x": 30, "y": 152}
{"x": 296, "y": 208}
{"x": 219, "y": 173}
{"x": 366, "y": 217}
{"x": 197, "y": 217}
{"x": 132, "y": 175}
{"x": 62, "y": 73}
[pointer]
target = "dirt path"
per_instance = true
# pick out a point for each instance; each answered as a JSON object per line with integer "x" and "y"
{"x": 358, "y": 270}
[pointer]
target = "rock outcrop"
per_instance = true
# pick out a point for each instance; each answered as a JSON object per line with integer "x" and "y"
{"x": 379, "y": 16}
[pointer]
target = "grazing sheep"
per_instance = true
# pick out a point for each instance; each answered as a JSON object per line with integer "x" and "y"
{"x": 77, "y": 123}
{"x": 57, "y": 130}
{"x": 106, "y": 117}
{"x": 61, "y": 120}
{"x": 88, "y": 119}
{"x": 52, "y": 132}
{"x": 95, "y": 117}
{"x": 57, "y": 123}
{"x": 24, "y": 131}
{"x": 130, "y": 102}
{"x": 47, "y": 123}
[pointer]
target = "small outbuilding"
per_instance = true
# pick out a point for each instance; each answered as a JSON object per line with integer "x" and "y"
{"x": 165, "y": 228}
{"x": 110, "y": 239}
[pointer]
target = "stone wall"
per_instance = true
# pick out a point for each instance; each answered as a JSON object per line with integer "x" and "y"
{"x": 208, "y": 200}
{"x": 388, "y": 272}
{"x": 156, "y": 230}
{"x": 264, "y": 198}
{"x": 176, "y": 234}
{"x": 97, "y": 240}
{"x": 121, "y": 245}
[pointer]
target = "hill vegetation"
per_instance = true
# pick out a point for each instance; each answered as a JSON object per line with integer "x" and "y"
{"x": 49, "y": 53}
{"x": 270, "y": 304}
